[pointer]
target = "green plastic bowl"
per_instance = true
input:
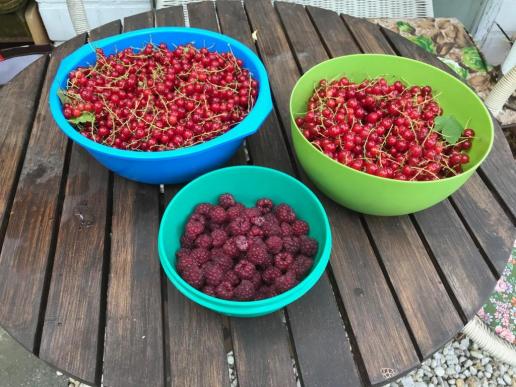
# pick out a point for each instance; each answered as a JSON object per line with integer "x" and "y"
{"x": 247, "y": 184}
{"x": 372, "y": 194}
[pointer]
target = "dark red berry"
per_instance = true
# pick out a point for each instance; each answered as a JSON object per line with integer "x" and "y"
{"x": 200, "y": 255}
{"x": 291, "y": 244}
{"x": 302, "y": 265}
{"x": 245, "y": 269}
{"x": 300, "y": 227}
{"x": 274, "y": 244}
{"x": 217, "y": 214}
{"x": 231, "y": 277}
{"x": 270, "y": 274}
{"x": 193, "y": 229}
{"x": 264, "y": 205}
{"x": 218, "y": 237}
{"x": 204, "y": 241}
{"x": 213, "y": 273}
{"x": 209, "y": 290}
{"x": 283, "y": 261}
{"x": 224, "y": 290}
{"x": 244, "y": 291}
{"x": 226, "y": 200}
{"x": 308, "y": 246}
{"x": 230, "y": 248}
{"x": 284, "y": 213}
{"x": 284, "y": 283}
{"x": 257, "y": 254}
{"x": 239, "y": 226}
{"x": 194, "y": 276}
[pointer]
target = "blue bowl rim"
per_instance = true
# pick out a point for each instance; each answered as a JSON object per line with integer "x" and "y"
{"x": 281, "y": 299}
{"x": 258, "y": 113}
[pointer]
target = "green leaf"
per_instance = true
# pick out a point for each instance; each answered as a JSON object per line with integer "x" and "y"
{"x": 424, "y": 42}
{"x": 461, "y": 71}
{"x": 471, "y": 58}
{"x": 83, "y": 118}
{"x": 63, "y": 96}
{"x": 449, "y": 127}
{"x": 405, "y": 27}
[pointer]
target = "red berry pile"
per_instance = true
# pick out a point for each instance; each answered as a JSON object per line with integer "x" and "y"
{"x": 157, "y": 98}
{"x": 383, "y": 129}
{"x": 237, "y": 253}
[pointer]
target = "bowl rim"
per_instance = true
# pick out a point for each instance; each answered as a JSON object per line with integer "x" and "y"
{"x": 244, "y": 128}
{"x": 283, "y": 298}
{"x": 456, "y": 81}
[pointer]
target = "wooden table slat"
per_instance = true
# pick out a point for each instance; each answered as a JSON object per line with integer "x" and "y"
{"x": 202, "y": 348}
{"x": 465, "y": 270}
{"x": 499, "y": 168}
{"x": 26, "y": 257}
{"x": 368, "y": 36}
{"x": 74, "y": 313}
{"x": 297, "y": 23}
{"x": 486, "y": 220}
{"x": 17, "y": 98}
{"x": 261, "y": 347}
{"x": 134, "y": 348}
{"x": 170, "y": 17}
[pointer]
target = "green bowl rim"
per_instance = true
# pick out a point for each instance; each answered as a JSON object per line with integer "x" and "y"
{"x": 289, "y": 295}
{"x": 401, "y": 58}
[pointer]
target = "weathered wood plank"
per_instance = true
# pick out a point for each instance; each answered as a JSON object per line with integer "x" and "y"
{"x": 133, "y": 350}
{"x": 341, "y": 219}
{"x": 73, "y": 314}
{"x": 465, "y": 269}
{"x": 427, "y": 306}
{"x": 25, "y": 260}
{"x": 368, "y": 36}
{"x": 18, "y": 102}
{"x": 201, "y": 359}
{"x": 487, "y": 220}
{"x": 255, "y": 341}
{"x": 499, "y": 168}
{"x": 170, "y": 17}
{"x": 337, "y": 38}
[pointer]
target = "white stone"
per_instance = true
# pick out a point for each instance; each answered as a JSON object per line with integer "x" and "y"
{"x": 507, "y": 379}
{"x": 501, "y": 381}
{"x": 407, "y": 381}
{"x": 468, "y": 363}
{"x": 420, "y": 384}
{"x": 473, "y": 370}
{"x": 467, "y": 373}
{"x": 476, "y": 354}
{"x": 485, "y": 360}
{"x": 439, "y": 371}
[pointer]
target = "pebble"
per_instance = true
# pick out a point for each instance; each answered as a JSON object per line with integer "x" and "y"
{"x": 460, "y": 363}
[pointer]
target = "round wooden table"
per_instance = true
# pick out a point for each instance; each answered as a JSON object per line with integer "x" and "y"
{"x": 80, "y": 281}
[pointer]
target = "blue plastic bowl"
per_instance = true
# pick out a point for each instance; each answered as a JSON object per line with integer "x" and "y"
{"x": 178, "y": 165}
{"x": 247, "y": 184}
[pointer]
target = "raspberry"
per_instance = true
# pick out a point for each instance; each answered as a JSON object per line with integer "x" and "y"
{"x": 203, "y": 209}
{"x": 258, "y": 220}
{"x": 182, "y": 252}
{"x": 255, "y": 231}
{"x": 271, "y": 228}
{"x": 270, "y": 218}
{"x": 256, "y": 280}
{"x": 187, "y": 242}
{"x": 284, "y": 213}
{"x": 239, "y": 226}
{"x": 194, "y": 276}
{"x": 265, "y": 292}
{"x": 264, "y": 205}
{"x": 193, "y": 229}
{"x": 219, "y": 237}
{"x": 270, "y": 274}
{"x": 204, "y": 241}
{"x": 184, "y": 262}
{"x": 300, "y": 227}
{"x": 226, "y": 200}
{"x": 245, "y": 269}
{"x": 213, "y": 274}
{"x": 209, "y": 290}
{"x": 230, "y": 248}
{"x": 235, "y": 211}
{"x": 218, "y": 214}
{"x": 302, "y": 265}
{"x": 200, "y": 255}
{"x": 219, "y": 257}
{"x": 257, "y": 254}
{"x": 283, "y": 261}
{"x": 251, "y": 213}
{"x": 308, "y": 246}
{"x": 215, "y": 226}
{"x": 198, "y": 218}
{"x": 286, "y": 229}
{"x": 284, "y": 283}
{"x": 291, "y": 244}
{"x": 241, "y": 243}
{"x": 231, "y": 277}
{"x": 274, "y": 244}
{"x": 224, "y": 290}
{"x": 244, "y": 291}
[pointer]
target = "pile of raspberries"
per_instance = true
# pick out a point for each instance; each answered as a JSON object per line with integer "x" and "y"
{"x": 237, "y": 253}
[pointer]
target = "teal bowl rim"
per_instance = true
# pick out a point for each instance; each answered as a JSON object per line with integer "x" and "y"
{"x": 243, "y": 308}
{"x": 456, "y": 81}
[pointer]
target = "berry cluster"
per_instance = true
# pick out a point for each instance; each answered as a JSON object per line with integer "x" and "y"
{"x": 383, "y": 129}
{"x": 157, "y": 99}
{"x": 237, "y": 253}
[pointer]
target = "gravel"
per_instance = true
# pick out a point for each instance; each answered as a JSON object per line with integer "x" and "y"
{"x": 460, "y": 363}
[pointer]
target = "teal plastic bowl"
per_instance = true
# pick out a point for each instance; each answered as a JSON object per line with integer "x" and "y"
{"x": 247, "y": 184}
